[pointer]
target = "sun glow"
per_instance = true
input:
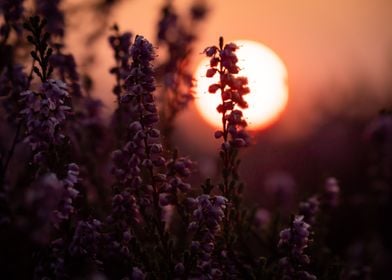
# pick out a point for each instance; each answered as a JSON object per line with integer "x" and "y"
{"x": 267, "y": 78}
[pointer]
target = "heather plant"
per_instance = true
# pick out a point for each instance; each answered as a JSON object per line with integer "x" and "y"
{"x": 86, "y": 198}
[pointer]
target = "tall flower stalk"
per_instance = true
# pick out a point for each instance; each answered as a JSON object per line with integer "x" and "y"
{"x": 232, "y": 89}
{"x": 223, "y": 62}
{"x": 139, "y": 164}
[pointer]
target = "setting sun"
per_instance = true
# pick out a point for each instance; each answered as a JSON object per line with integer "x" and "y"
{"x": 267, "y": 76}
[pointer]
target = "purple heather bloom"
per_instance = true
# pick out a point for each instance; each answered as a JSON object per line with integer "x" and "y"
{"x": 124, "y": 209}
{"x": 177, "y": 170}
{"x": 140, "y": 148}
{"x": 139, "y": 84}
{"x": 44, "y": 114}
{"x": 223, "y": 60}
{"x": 294, "y": 241}
{"x": 206, "y": 220}
{"x": 127, "y": 161}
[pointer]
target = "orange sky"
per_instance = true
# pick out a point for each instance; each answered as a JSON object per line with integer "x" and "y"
{"x": 327, "y": 46}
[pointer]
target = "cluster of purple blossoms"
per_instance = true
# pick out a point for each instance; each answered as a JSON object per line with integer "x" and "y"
{"x": 177, "y": 170}
{"x": 135, "y": 162}
{"x": 125, "y": 215}
{"x": 232, "y": 89}
{"x": 130, "y": 158}
{"x": 50, "y": 10}
{"x": 140, "y": 150}
{"x": 207, "y": 216}
{"x": 69, "y": 193}
{"x": 139, "y": 84}
{"x": 295, "y": 240}
{"x": 44, "y": 113}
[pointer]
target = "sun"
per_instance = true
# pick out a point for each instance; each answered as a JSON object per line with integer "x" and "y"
{"x": 267, "y": 78}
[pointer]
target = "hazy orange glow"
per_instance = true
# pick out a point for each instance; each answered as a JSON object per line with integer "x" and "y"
{"x": 267, "y": 77}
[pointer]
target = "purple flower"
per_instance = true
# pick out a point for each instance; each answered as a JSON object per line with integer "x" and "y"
{"x": 177, "y": 170}
{"x": 223, "y": 61}
{"x": 44, "y": 113}
{"x": 293, "y": 241}
{"x": 124, "y": 209}
{"x": 206, "y": 225}
{"x": 136, "y": 163}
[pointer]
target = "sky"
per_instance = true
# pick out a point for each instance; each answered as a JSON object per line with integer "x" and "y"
{"x": 333, "y": 50}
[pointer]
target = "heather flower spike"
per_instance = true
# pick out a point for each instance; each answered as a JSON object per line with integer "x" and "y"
{"x": 293, "y": 241}
{"x": 223, "y": 62}
{"x": 232, "y": 89}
